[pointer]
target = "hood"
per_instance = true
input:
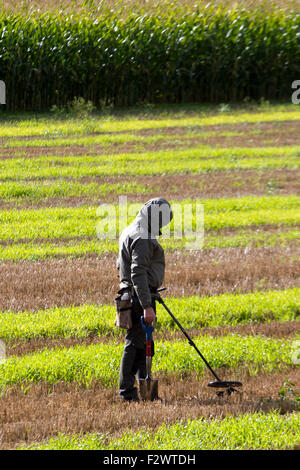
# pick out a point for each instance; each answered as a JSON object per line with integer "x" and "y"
{"x": 154, "y": 215}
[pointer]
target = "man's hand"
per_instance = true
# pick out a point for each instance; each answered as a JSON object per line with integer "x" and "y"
{"x": 149, "y": 315}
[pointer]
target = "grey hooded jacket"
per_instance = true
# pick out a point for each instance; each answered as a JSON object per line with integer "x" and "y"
{"x": 141, "y": 261}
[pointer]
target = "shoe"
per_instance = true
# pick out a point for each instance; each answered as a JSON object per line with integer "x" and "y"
{"x": 130, "y": 399}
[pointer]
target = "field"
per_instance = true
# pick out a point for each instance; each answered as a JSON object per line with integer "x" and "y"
{"x": 126, "y": 7}
{"x": 238, "y": 296}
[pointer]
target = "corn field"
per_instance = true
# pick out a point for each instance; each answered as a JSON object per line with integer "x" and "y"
{"x": 202, "y": 55}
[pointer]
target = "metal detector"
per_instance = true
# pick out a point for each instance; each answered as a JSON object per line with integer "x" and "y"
{"x": 229, "y": 386}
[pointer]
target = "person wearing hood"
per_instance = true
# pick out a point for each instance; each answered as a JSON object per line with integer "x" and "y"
{"x": 141, "y": 265}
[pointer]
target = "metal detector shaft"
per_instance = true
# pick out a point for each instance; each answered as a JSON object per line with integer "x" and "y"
{"x": 191, "y": 342}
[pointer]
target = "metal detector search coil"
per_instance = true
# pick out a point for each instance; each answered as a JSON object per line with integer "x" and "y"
{"x": 224, "y": 384}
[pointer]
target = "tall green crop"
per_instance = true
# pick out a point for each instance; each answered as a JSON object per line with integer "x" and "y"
{"x": 201, "y": 55}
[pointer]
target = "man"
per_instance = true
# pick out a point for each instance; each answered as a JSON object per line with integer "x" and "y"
{"x": 141, "y": 265}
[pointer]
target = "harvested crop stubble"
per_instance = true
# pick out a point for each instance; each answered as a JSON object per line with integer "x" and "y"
{"x": 69, "y": 408}
{"x": 25, "y": 285}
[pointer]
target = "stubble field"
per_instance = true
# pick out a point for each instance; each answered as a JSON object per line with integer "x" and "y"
{"x": 238, "y": 296}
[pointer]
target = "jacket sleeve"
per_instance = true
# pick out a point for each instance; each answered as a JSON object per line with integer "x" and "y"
{"x": 142, "y": 251}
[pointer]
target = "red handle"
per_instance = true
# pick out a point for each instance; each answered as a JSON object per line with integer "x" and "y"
{"x": 148, "y": 348}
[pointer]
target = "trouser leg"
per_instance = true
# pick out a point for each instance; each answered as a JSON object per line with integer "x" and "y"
{"x": 133, "y": 361}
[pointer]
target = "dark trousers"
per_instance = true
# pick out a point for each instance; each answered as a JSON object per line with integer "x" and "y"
{"x": 133, "y": 363}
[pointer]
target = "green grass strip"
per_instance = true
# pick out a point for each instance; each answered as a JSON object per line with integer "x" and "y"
{"x": 74, "y": 249}
{"x": 84, "y": 364}
{"x": 193, "y": 312}
{"x": 232, "y": 309}
{"x": 192, "y": 160}
{"x": 38, "y": 190}
{"x": 54, "y": 126}
{"x": 235, "y": 118}
{"x": 106, "y": 140}
{"x": 255, "y": 431}
{"x": 33, "y": 251}
{"x": 84, "y": 221}
{"x": 252, "y": 238}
